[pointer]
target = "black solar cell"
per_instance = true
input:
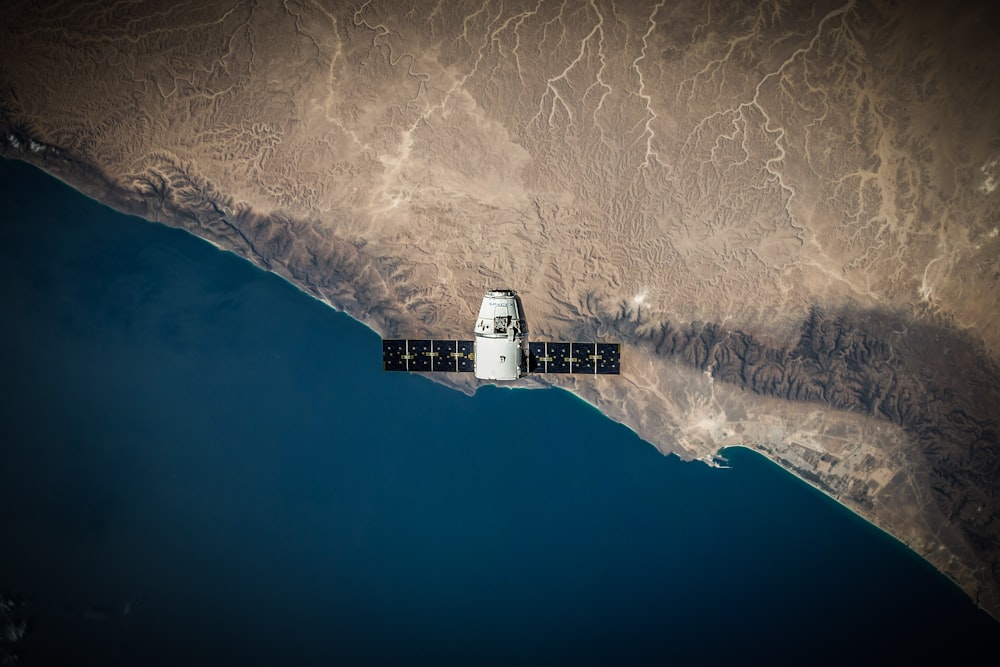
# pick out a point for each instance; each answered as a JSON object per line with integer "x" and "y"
{"x": 465, "y": 356}
{"x": 393, "y": 352}
{"x": 420, "y": 354}
{"x": 443, "y": 359}
{"x": 559, "y": 353}
{"x": 537, "y": 361}
{"x": 609, "y": 358}
{"x": 583, "y": 358}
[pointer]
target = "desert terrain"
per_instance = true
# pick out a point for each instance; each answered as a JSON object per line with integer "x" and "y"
{"x": 785, "y": 212}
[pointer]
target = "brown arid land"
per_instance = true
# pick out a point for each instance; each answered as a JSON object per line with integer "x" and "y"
{"x": 787, "y": 213}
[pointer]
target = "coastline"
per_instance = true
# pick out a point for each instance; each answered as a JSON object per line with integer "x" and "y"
{"x": 870, "y": 522}
{"x": 88, "y": 180}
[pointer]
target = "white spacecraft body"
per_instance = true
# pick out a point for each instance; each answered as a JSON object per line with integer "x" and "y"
{"x": 500, "y": 335}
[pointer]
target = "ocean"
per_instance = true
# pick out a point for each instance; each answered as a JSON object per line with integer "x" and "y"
{"x": 201, "y": 465}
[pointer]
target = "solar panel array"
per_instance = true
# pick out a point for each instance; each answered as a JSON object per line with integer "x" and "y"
{"x": 456, "y": 356}
{"x": 443, "y": 356}
{"x": 577, "y": 358}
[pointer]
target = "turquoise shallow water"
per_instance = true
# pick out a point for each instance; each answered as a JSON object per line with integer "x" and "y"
{"x": 200, "y": 466}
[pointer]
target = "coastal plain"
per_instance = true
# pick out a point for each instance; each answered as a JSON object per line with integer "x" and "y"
{"x": 785, "y": 212}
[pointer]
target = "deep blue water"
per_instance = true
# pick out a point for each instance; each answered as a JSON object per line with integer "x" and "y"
{"x": 199, "y": 465}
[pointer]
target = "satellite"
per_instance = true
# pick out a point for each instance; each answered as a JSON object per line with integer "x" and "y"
{"x": 500, "y": 349}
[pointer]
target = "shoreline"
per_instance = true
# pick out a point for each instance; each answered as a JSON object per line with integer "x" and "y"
{"x": 869, "y": 522}
{"x": 68, "y": 171}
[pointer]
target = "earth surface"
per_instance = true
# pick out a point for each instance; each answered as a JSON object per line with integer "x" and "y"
{"x": 785, "y": 212}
